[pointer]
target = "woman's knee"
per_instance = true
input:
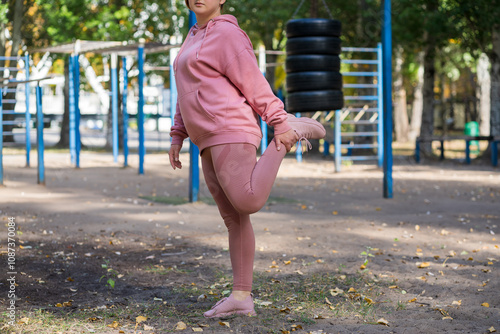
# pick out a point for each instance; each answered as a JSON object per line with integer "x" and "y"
{"x": 249, "y": 206}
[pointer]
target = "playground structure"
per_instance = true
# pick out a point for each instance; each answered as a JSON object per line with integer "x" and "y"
{"x": 140, "y": 49}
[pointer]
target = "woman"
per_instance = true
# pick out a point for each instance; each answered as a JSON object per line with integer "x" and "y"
{"x": 221, "y": 93}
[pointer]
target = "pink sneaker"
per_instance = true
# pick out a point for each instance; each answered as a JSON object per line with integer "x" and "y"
{"x": 306, "y": 128}
{"x": 229, "y": 306}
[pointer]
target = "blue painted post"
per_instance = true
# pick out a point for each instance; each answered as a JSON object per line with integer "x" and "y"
{"x": 72, "y": 112}
{"x": 263, "y": 125}
{"x": 337, "y": 139}
{"x": 125, "y": 112}
{"x": 380, "y": 104}
{"x": 326, "y": 148}
{"x": 1, "y": 138}
{"x": 494, "y": 152}
{"x": 114, "y": 103}
{"x": 417, "y": 151}
{"x": 76, "y": 87}
{"x": 442, "y": 150}
{"x": 298, "y": 151}
{"x": 28, "y": 115}
{"x": 194, "y": 151}
{"x": 387, "y": 84}
{"x": 140, "y": 109}
{"x": 39, "y": 136}
{"x": 467, "y": 152}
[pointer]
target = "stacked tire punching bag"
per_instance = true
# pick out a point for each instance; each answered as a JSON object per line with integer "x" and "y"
{"x": 313, "y": 80}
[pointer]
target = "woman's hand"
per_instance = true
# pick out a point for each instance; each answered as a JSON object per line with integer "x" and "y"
{"x": 287, "y": 139}
{"x": 173, "y": 154}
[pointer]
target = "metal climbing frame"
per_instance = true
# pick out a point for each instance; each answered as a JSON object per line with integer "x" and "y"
{"x": 20, "y": 72}
{"x": 362, "y": 109}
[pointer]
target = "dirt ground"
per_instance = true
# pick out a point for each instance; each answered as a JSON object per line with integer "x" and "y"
{"x": 95, "y": 247}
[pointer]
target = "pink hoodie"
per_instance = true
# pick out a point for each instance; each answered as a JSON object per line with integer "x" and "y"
{"x": 221, "y": 90}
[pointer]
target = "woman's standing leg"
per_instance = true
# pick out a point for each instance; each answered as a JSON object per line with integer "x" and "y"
{"x": 241, "y": 243}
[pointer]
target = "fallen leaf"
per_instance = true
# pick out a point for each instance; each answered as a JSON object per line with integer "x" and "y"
{"x": 485, "y": 304}
{"x": 115, "y": 324}
{"x": 224, "y": 323}
{"x": 319, "y": 316}
{"x": 140, "y": 319}
{"x": 327, "y": 301}
{"x": 197, "y": 329}
{"x": 492, "y": 329}
{"x": 336, "y": 291}
{"x": 412, "y": 300}
{"x": 382, "y": 321}
{"x": 180, "y": 326}
{"x": 352, "y": 290}
{"x": 59, "y": 305}
{"x": 458, "y": 303}
{"x": 447, "y": 318}
{"x": 423, "y": 264}
{"x": 148, "y": 328}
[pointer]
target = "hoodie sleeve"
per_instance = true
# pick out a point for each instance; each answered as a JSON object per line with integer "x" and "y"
{"x": 178, "y": 131}
{"x": 243, "y": 71}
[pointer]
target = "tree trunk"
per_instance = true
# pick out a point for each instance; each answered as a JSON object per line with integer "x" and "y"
{"x": 313, "y": 12}
{"x": 16, "y": 29}
{"x": 400, "y": 112}
{"x": 64, "y": 135}
{"x": 417, "y": 107}
{"x": 484, "y": 91}
{"x": 427, "y": 128}
{"x": 495, "y": 83}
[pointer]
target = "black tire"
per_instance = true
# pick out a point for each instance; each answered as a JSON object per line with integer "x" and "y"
{"x": 313, "y": 27}
{"x": 302, "y": 63}
{"x": 318, "y": 80}
{"x": 322, "y": 100}
{"x": 313, "y": 45}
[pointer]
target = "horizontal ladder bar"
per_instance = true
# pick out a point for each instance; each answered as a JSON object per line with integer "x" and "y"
{"x": 360, "y": 74}
{"x": 360, "y": 85}
{"x": 364, "y": 122}
{"x": 6, "y": 133}
{"x": 358, "y": 145}
{"x": 351, "y": 49}
{"x": 359, "y": 157}
{"x": 359, "y": 134}
{"x": 12, "y": 69}
{"x": 364, "y": 98}
{"x": 10, "y": 58}
{"x": 13, "y": 122}
{"x": 12, "y": 112}
{"x": 359, "y": 61}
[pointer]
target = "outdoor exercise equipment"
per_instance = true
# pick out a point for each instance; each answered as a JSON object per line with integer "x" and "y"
{"x": 12, "y": 73}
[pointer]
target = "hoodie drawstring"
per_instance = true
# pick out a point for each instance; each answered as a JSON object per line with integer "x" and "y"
{"x": 204, "y": 36}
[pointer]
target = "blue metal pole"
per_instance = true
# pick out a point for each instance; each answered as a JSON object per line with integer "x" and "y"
{"x": 1, "y": 138}
{"x": 380, "y": 107}
{"x": 72, "y": 135}
{"x": 173, "y": 87}
{"x": 125, "y": 112}
{"x": 337, "y": 141}
{"x": 298, "y": 151}
{"x": 494, "y": 152}
{"x": 39, "y": 136}
{"x": 140, "y": 109}
{"x": 114, "y": 104}
{"x": 76, "y": 86}
{"x": 28, "y": 115}
{"x": 387, "y": 82}
{"x": 194, "y": 151}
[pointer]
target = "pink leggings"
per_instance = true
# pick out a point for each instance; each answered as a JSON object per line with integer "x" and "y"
{"x": 240, "y": 186}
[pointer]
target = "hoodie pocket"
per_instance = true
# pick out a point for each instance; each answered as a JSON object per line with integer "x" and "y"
{"x": 197, "y": 119}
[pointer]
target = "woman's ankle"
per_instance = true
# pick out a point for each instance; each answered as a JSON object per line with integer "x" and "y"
{"x": 240, "y": 295}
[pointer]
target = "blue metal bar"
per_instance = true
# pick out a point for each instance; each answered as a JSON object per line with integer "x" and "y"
{"x": 72, "y": 112}
{"x": 326, "y": 148}
{"x": 12, "y": 69}
{"x": 125, "y": 112}
{"x": 360, "y": 85}
{"x": 361, "y": 98}
{"x": 360, "y": 158}
{"x": 359, "y": 61}
{"x": 467, "y": 152}
{"x": 140, "y": 108}
{"x": 387, "y": 85}
{"x": 351, "y": 49}
{"x": 194, "y": 152}
{"x": 359, "y": 74}
{"x": 28, "y": 115}
{"x": 298, "y": 150}
{"x": 337, "y": 142}
{"x": 380, "y": 107}
{"x": 494, "y": 153}
{"x": 9, "y": 58}
{"x": 114, "y": 104}
{"x": 1, "y": 138}
{"x": 76, "y": 86}
{"x": 39, "y": 136}
{"x": 417, "y": 151}
{"x": 358, "y": 145}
